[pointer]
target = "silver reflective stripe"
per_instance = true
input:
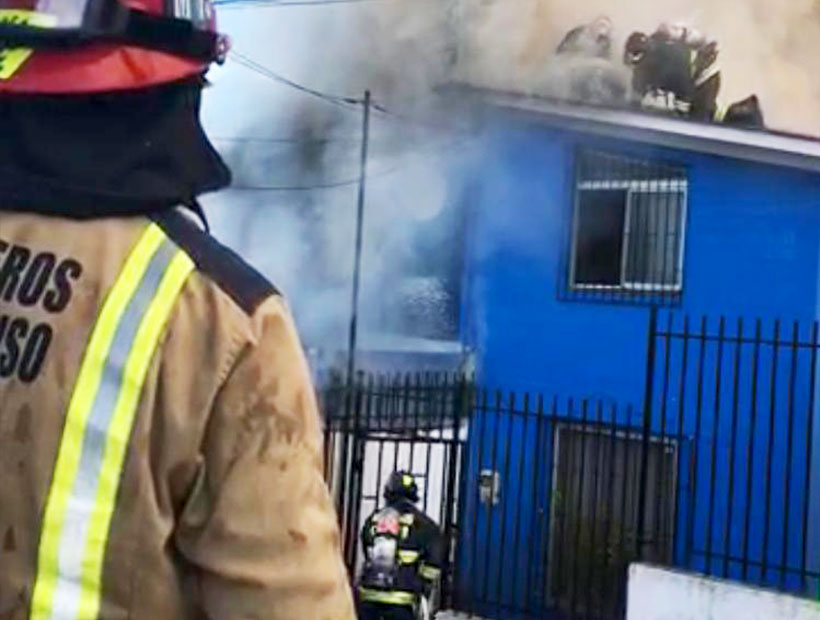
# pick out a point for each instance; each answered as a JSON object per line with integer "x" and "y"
{"x": 200, "y": 12}
{"x": 83, "y": 495}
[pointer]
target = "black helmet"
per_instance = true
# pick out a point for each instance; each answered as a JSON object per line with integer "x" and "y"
{"x": 636, "y": 46}
{"x": 401, "y": 485}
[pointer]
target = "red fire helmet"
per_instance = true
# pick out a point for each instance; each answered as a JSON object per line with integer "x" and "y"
{"x": 93, "y": 46}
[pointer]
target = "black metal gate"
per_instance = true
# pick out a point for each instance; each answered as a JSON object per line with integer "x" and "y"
{"x": 415, "y": 423}
{"x": 546, "y": 502}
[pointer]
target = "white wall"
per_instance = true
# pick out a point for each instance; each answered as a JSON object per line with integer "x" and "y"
{"x": 660, "y": 594}
{"x": 418, "y": 458}
{"x": 430, "y": 486}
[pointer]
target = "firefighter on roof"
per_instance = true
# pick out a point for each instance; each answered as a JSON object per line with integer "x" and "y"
{"x": 404, "y": 553}
{"x": 160, "y": 442}
{"x": 592, "y": 40}
{"x": 675, "y": 70}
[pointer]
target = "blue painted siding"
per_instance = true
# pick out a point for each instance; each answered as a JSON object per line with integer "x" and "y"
{"x": 752, "y": 250}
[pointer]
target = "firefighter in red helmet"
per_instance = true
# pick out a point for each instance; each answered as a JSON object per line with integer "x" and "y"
{"x": 165, "y": 458}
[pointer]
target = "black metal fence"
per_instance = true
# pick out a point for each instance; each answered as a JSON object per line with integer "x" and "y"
{"x": 738, "y": 399}
{"x": 551, "y": 522}
{"x": 545, "y": 502}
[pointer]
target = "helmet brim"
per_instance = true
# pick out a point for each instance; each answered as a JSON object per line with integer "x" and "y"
{"x": 98, "y": 69}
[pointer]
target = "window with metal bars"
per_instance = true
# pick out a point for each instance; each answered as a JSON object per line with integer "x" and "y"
{"x": 628, "y": 229}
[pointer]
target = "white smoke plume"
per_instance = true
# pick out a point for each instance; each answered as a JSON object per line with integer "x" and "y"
{"x": 767, "y": 47}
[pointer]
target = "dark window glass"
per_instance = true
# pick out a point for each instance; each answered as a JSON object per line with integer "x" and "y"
{"x": 600, "y": 237}
{"x": 628, "y": 228}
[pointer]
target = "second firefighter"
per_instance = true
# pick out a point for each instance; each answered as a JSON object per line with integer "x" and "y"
{"x": 404, "y": 552}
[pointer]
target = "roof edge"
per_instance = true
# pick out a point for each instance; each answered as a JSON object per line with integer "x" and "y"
{"x": 767, "y": 147}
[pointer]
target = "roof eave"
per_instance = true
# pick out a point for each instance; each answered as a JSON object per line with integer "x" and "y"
{"x": 756, "y": 146}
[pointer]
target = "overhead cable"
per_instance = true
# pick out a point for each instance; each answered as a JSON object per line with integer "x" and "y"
{"x": 449, "y": 146}
{"x": 253, "y": 65}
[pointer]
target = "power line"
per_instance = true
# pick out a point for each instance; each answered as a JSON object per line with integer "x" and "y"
{"x": 346, "y": 102}
{"x": 315, "y": 186}
{"x": 409, "y": 120}
{"x": 261, "y": 69}
{"x": 449, "y": 146}
{"x": 253, "y": 65}
{"x": 295, "y": 188}
{"x": 337, "y": 100}
{"x": 388, "y": 140}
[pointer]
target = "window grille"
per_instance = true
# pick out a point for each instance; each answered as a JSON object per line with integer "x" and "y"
{"x": 628, "y": 230}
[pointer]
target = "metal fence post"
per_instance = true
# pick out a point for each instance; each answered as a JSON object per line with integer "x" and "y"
{"x": 448, "y": 585}
{"x": 354, "y": 488}
{"x": 649, "y": 391}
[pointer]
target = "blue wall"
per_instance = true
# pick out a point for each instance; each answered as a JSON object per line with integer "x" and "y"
{"x": 752, "y": 250}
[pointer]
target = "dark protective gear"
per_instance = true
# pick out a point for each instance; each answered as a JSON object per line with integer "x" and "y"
{"x": 120, "y": 154}
{"x": 636, "y": 47}
{"x": 380, "y": 611}
{"x": 663, "y": 67}
{"x": 404, "y": 554}
{"x": 401, "y": 485}
{"x": 675, "y": 70}
{"x": 747, "y": 114}
{"x": 705, "y": 99}
{"x": 84, "y": 46}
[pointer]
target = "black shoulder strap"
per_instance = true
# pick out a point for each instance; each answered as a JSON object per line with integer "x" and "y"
{"x": 241, "y": 282}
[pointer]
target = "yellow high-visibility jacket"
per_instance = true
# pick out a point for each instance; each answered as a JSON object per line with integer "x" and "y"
{"x": 160, "y": 448}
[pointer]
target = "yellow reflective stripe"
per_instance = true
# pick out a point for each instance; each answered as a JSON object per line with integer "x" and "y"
{"x": 82, "y": 399}
{"x": 408, "y": 557}
{"x": 388, "y": 597}
{"x": 430, "y": 573}
{"x": 11, "y": 59}
{"x": 119, "y": 432}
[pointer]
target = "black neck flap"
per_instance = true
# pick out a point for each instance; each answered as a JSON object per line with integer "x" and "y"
{"x": 105, "y": 155}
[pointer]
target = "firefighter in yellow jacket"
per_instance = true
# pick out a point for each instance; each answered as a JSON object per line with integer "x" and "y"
{"x": 159, "y": 438}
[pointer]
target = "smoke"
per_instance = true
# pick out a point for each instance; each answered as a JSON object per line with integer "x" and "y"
{"x": 767, "y": 47}
{"x": 306, "y": 150}
{"x": 301, "y": 233}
